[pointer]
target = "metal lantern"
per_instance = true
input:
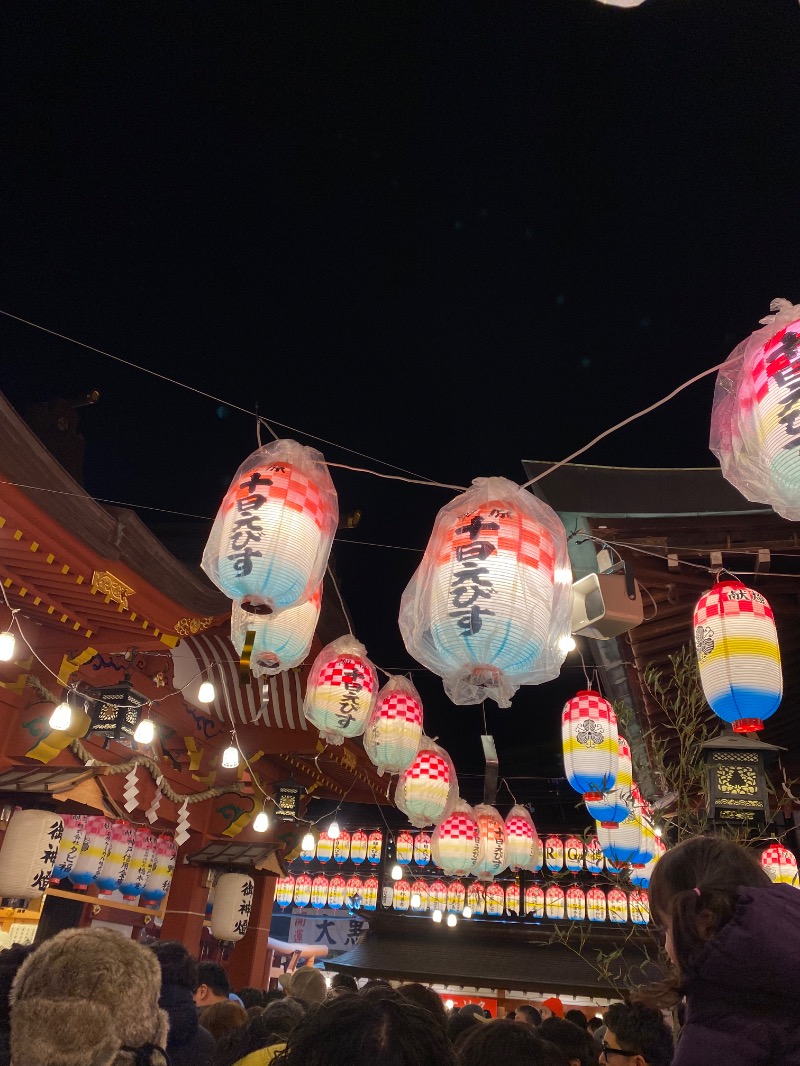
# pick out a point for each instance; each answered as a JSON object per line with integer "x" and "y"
{"x": 233, "y": 901}
{"x": 358, "y": 846}
{"x": 615, "y": 806}
{"x": 337, "y": 887}
{"x": 573, "y": 854}
{"x": 554, "y": 853}
{"x": 280, "y": 641}
{"x": 596, "y": 904}
{"x": 341, "y": 690}
{"x": 284, "y": 890}
{"x": 780, "y": 865}
{"x": 737, "y": 780}
{"x": 456, "y": 841}
{"x": 28, "y": 854}
{"x": 738, "y": 655}
{"x": 589, "y": 741}
{"x": 491, "y": 859}
{"x": 394, "y": 730}
{"x": 116, "y": 710}
{"x": 69, "y": 847}
{"x": 492, "y": 598}
{"x": 523, "y": 847}
{"x": 576, "y": 904}
{"x": 534, "y": 901}
{"x": 555, "y": 902}
{"x": 422, "y": 849}
{"x": 272, "y": 535}
{"x": 428, "y": 789}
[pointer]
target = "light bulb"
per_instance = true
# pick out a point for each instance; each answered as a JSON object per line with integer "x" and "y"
{"x": 261, "y": 822}
{"x": 566, "y": 643}
{"x": 659, "y": 831}
{"x": 6, "y": 647}
{"x": 145, "y": 731}
{"x": 206, "y": 693}
{"x": 333, "y": 830}
{"x": 437, "y": 915}
{"x": 308, "y": 842}
{"x": 451, "y": 920}
{"x": 467, "y": 912}
{"x": 416, "y": 900}
{"x": 397, "y": 872}
{"x": 230, "y": 758}
{"x": 562, "y": 575}
{"x": 449, "y": 1004}
{"x": 61, "y": 718}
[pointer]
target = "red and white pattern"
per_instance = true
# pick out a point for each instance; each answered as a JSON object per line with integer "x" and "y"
{"x": 554, "y": 854}
{"x": 319, "y": 891}
{"x": 476, "y": 897}
{"x": 336, "y": 892}
{"x": 456, "y": 840}
{"x": 555, "y": 902}
{"x": 437, "y": 896}
{"x": 404, "y": 847}
{"x": 284, "y": 890}
{"x": 375, "y": 847}
{"x": 419, "y": 888}
{"x": 534, "y": 901}
{"x": 394, "y": 731}
{"x": 302, "y": 890}
{"x": 589, "y": 743}
{"x": 422, "y": 849}
{"x": 456, "y": 896}
{"x": 354, "y": 893}
{"x": 596, "y": 904}
{"x": 573, "y": 854}
{"x": 780, "y": 865}
{"x": 341, "y": 846}
{"x": 401, "y": 897}
{"x": 427, "y": 790}
{"x": 491, "y": 859}
{"x": 341, "y": 690}
{"x": 522, "y": 840}
{"x": 576, "y": 904}
{"x": 495, "y": 899}
{"x": 512, "y": 898}
{"x": 617, "y": 905}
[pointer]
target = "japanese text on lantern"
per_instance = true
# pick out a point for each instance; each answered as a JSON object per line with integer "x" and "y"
{"x": 247, "y": 528}
{"x": 348, "y": 704}
{"x": 470, "y": 584}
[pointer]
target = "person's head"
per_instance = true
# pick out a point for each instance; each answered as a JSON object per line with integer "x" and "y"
{"x": 10, "y": 961}
{"x": 281, "y": 1016}
{"x": 639, "y": 1034}
{"x": 529, "y": 1014}
{"x": 427, "y": 999}
{"x": 579, "y": 1048}
{"x": 356, "y": 1030}
{"x": 509, "y": 1043}
{"x": 376, "y": 987}
{"x": 458, "y": 1023}
{"x": 213, "y": 985}
{"x": 552, "y": 1008}
{"x": 223, "y": 1017}
{"x": 85, "y": 996}
{"x": 343, "y": 982}
{"x": 511, "y": 1015}
{"x": 693, "y": 892}
{"x": 251, "y": 997}
{"x": 577, "y": 1017}
{"x": 265, "y": 1028}
{"x": 306, "y": 984}
{"x": 594, "y": 1024}
{"x": 273, "y": 996}
{"x": 178, "y": 967}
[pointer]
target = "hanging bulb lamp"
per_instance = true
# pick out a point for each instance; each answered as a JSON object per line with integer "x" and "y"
{"x": 7, "y": 645}
{"x": 206, "y": 693}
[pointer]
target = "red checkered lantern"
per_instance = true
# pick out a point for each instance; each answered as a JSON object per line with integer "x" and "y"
{"x": 284, "y": 891}
{"x": 554, "y": 902}
{"x": 523, "y": 847}
{"x": 456, "y": 841}
{"x": 534, "y": 901}
{"x": 428, "y": 789}
{"x": 419, "y": 889}
{"x": 437, "y": 896}
{"x": 617, "y": 905}
{"x": 491, "y": 859}
{"x": 491, "y": 600}
{"x": 589, "y": 741}
{"x": 737, "y": 655}
{"x": 302, "y": 890}
{"x": 596, "y": 904}
{"x": 401, "y": 898}
{"x": 512, "y": 898}
{"x": 639, "y": 903}
{"x": 341, "y": 847}
{"x": 324, "y": 847}
{"x": 394, "y": 730}
{"x": 341, "y": 690}
{"x": 476, "y": 897}
{"x": 272, "y": 536}
{"x": 615, "y": 805}
{"x": 594, "y": 858}
{"x": 371, "y": 888}
{"x": 337, "y": 887}
{"x": 319, "y": 891}
{"x": 456, "y": 897}
{"x": 495, "y": 899}
{"x": 554, "y": 854}
{"x": 375, "y": 847}
{"x": 422, "y": 849}
{"x": 354, "y": 893}
{"x": 281, "y": 641}
{"x": 404, "y": 847}
{"x": 576, "y": 904}
{"x": 754, "y": 429}
{"x": 358, "y": 846}
{"x": 780, "y": 865}
{"x": 573, "y": 854}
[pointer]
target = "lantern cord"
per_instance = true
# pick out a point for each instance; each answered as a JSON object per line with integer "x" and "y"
{"x": 652, "y": 600}
{"x": 341, "y": 600}
{"x": 583, "y": 666}
{"x": 380, "y": 810}
{"x": 485, "y": 727}
{"x": 511, "y": 794}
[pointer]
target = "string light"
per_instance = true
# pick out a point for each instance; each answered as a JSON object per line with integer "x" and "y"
{"x": 308, "y": 844}
{"x": 467, "y": 912}
{"x": 451, "y": 920}
{"x": 333, "y": 830}
{"x": 567, "y": 644}
{"x": 659, "y": 831}
{"x": 145, "y": 731}
{"x": 206, "y": 694}
{"x": 230, "y": 757}
{"x": 437, "y": 915}
{"x": 61, "y": 718}
{"x": 449, "y": 1003}
{"x": 7, "y": 644}
{"x": 397, "y": 872}
{"x": 261, "y": 822}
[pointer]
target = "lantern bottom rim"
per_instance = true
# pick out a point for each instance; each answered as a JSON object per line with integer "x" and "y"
{"x": 748, "y": 725}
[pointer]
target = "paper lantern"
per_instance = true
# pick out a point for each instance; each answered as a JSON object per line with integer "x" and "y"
{"x": 491, "y": 859}
{"x": 404, "y": 847}
{"x": 302, "y": 890}
{"x": 284, "y": 890}
{"x": 115, "y": 868}
{"x": 69, "y": 847}
{"x": 282, "y": 641}
{"x": 341, "y": 846}
{"x": 307, "y": 853}
{"x": 576, "y": 904}
{"x": 94, "y": 852}
{"x": 594, "y": 858}
{"x": 324, "y": 847}
{"x": 402, "y": 895}
{"x": 589, "y": 742}
{"x": 512, "y": 898}
{"x": 573, "y": 854}
{"x": 639, "y": 903}
{"x": 640, "y": 875}
{"x": 358, "y": 846}
{"x": 455, "y": 841}
{"x": 522, "y": 840}
{"x": 141, "y": 865}
{"x": 456, "y": 897}
{"x": 492, "y": 598}
{"x": 780, "y": 865}
{"x": 158, "y": 883}
{"x": 370, "y": 898}
{"x": 337, "y": 887}
{"x": 630, "y": 841}
{"x": 341, "y": 690}
{"x": 737, "y": 655}
{"x": 554, "y": 853}
{"x": 394, "y": 729}
{"x": 617, "y": 905}
{"x": 319, "y": 891}
{"x": 534, "y": 901}
{"x": 428, "y": 789}
{"x": 554, "y": 902}
{"x": 596, "y": 904}
{"x": 419, "y": 888}
{"x": 354, "y": 893}
{"x": 495, "y": 899}
{"x": 28, "y": 854}
{"x": 422, "y": 849}
{"x": 233, "y": 901}
{"x": 615, "y": 805}
{"x": 476, "y": 897}
{"x": 272, "y": 535}
{"x": 755, "y": 430}
{"x": 375, "y": 847}
{"x": 437, "y": 895}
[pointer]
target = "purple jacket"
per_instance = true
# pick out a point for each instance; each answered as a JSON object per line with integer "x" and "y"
{"x": 743, "y": 994}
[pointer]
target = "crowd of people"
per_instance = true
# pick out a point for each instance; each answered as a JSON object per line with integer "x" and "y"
{"x": 90, "y": 997}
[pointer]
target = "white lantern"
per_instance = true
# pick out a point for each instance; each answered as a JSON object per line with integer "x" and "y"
{"x": 370, "y": 899}
{"x": 282, "y": 641}
{"x": 324, "y": 847}
{"x": 589, "y": 742}
{"x": 428, "y": 789}
{"x": 640, "y": 906}
{"x": 495, "y": 899}
{"x": 233, "y": 901}
{"x": 115, "y": 868}
{"x": 341, "y": 690}
{"x": 94, "y": 852}
{"x": 28, "y": 854}
{"x": 512, "y": 898}
{"x": 394, "y": 729}
{"x": 456, "y": 897}
{"x": 358, "y": 846}
{"x": 594, "y": 858}
{"x": 491, "y": 859}
{"x": 302, "y": 890}
{"x": 596, "y": 904}
{"x": 284, "y": 891}
{"x": 630, "y": 841}
{"x": 319, "y": 891}
{"x": 554, "y": 902}
{"x": 523, "y": 847}
{"x": 404, "y": 847}
{"x": 615, "y": 805}
{"x": 341, "y": 847}
{"x": 141, "y": 866}
{"x": 573, "y": 854}
{"x": 576, "y": 904}
{"x": 456, "y": 840}
{"x": 534, "y": 901}
{"x": 401, "y": 898}
{"x": 158, "y": 883}
{"x": 617, "y": 905}
{"x": 422, "y": 849}
{"x": 419, "y": 896}
{"x": 554, "y": 854}
{"x": 69, "y": 847}
{"x": 476, "y": 898}
{"x": 437, "y": 895}
{"x": 375, "y": 847}
{"x": 354, "y": 893}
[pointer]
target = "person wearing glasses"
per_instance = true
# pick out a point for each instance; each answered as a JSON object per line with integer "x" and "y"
{"x": 636, "y": 1036}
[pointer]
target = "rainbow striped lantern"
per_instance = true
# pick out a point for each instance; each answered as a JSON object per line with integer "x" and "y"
{"x": 554, "y": 854}
{"x": 576, "y": 904}
{"x": 476, "y": 897}
{"x": 419, "y": 888}
{"x": 302, "y": 890}
{"x": 94, "y": 852}
{"x": 374, "y": 847}
{"x": 738, "y": 655}
{"x": 630, "y": 841}
{"x": 354, "y": 893}
{"x": 358, "y": 846}
{"x": 69, "y": 847}
{"x": 141, "y": 866}
{"x": 271, "y": 538}
{"x": 617, "y": 905}
{"x": 337, "y": 886}
{"x": 319, "y": 891}
{"x": 160, "y": 879}
{"x": 456, "y": 841}
{"x": 422, "y": 849}
{"x": 754, "y": 429}
{"x": 492, "y": 597}
{"x": 404, "y": 847}
{"x": 512, "y": 898}
{"x": 573, "y": 854}
{"x": 780, "y": 865}
{"x": 523, "y": 847}
{"x": 491, "y": 859}
{"x": 596, "y": 904}
{"x": 284, "y": 890}
{"x": 640, "y": 875}
{"x": 115, "y": 868}
{"x": 589, "y": 741}
{"x": 371, "y": 888}
{"x": 593, "y": 855}
{"x": 456, "y": 897}
{"x": 615, "y": 805}
{"x": 282, "y": 640}
{"x": 427, "y": 791}
{"x": 341, "y": 690}
{"x": 401, "y": 899}
{"x": 341, "y": 846}
{"x": 324, "y": 847}
{"x": 394, "y": 730}
{"x": 534, "y": 901}
{"x": 554, "y": 902}
{"x": 495, "y": 899}
{"x": 437, "y": 896}
{"x": 640, "y": 906}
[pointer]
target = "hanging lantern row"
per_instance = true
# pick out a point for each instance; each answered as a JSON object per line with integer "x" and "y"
{"x": 356, "y": 847}
{"x": 780, "y": 865}
{"x": 354, "y": 893}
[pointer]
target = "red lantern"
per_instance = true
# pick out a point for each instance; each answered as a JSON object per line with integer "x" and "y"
{"x": 523, "y": 848}
{"x": 596, "y": 905}
{"x": 284, "y": 890}
{"x": 302, "y": 890}
{"x": 617, "y": 905}
{"x": 576, "y": 904}
{"x": 402, "y": 895}
{"x": 554, "y": 901}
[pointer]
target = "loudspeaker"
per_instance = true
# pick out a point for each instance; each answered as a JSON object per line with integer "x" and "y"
{"x": 605, "y": 605}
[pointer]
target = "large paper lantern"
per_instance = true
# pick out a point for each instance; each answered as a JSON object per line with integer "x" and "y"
{"x": 738, "y": 655}
{"x": 437, "y": 895}
{"x": 233, "y": 901}
{"x": 630, "y": 841}
{"x": 69, "y": 847}
{"x": 554, "y": 854}
{"x": 319, "y": 891}
{"x": 576, "y": 904}
{"x": 271, "y": 538}
{"x": 427, "y": 790}
{"x": 780, "y": 865}
{"x": 512, "y": 898}
{"x": 614, "y": 806}
{"x": 554, "y": 902}
{"x": 755, "y": 428}
{"x": 495, "y": 899}
{"x": 476, "y": 897}
{"x": 594, "y": 858}
{"x": 284, "y": 890}
{"x": 589, "y": 742}
{"x": 370, "y": 900}
{"x": 302, "y": 890}
{"x": 341, "y": 847}
{"x": 492, "y": 597}
{"x": 456, "y": 897}
{"x": 491, "y": 859}
{"x": 617, "y": 905}
{"x": 28, "y": 854}
{"x": 324, "y": 847}
{"x": 573, "y": 854}
{"x": 94, "y": 852}
{"x": 639, "y": 903}
{"x": 141, "y": 866}
{"x": 534, "y": 901}
{"x": 419, "y": 888}
{"x": 337, "y": 887}
{"x": 158, "y": 883}
{"x": 341, "y": 690}
{"x": 523, "y": 847}
{"x": 456, "y": 841}
{"x": 422, "y": 849}
{"x": 115, "y": 868}
{"x": 401, "y": 899}
{"x": 358, "y": 846}
{"x": 394, "y": 729}
{"x": 282, "y": 640}
{"x": 404, "y": 847}
{"x": 596, "y": 904}
{"x": 375, "y": 847}
{"x": 354, "y": 893}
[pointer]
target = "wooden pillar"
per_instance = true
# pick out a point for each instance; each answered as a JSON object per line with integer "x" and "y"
{"x": 251, "y": 958}
{"x": 186, "y": 907}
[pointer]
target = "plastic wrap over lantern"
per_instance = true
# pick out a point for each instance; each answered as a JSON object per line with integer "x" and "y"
{"x": 738, "y": 655}
{"x": 141, "y": 866}
{"x": 337, "y": 886}
{"x": 284, "y": 890}
{"x": 404, "y": 847}
{"x": 427, "y": 790}
{"x": 94, "y": 851}
{"x": 341, "y": 690}
{"x": 589, "y": 741}
{"x": 160, "y": 879}
{"x": 534, "y": 901}
{"x": 573, "y": 854}
{"x": 495, "y": 899}
{"x": 456, "y": 897}
{"x": 324, "y": 847}
{"x": 272, "y": 535}
{"x": 512, "y": 898}
{"x": 422, "y": 849}
{"x": 576, "y": 904}
{"x": 28, "y": 854}
{"x": 69, "y": 847}
{"x": 115, "y": 868}
{"x": 492, "y": 598}
{"x": 394, "y": 729}
{"x": 233, "y": 900}
{"x": 302, "y": 890}
{"x": 522, "y": 840}
{"x": 780, "y": 865}
{"x": 554, "y": 854}
{"x": 456, "y": 841}
{"x": 437, "y": 895}
{"x": 282, "y": 640}
{"x": 370, "y": 901}
{"x": 596, "y": 904}
{"x": 419, "y": 889}
{"x": 491, "y": 843}
{"x": 755, "y": 428}
{"x": 354, "y": 893}
{"x": 476, "y": 897}
{"x": 593, "y": 855}
{"x": 615, "y": 806}
{"x": 358, "y": 846}
{"x": 319, "y": 891}
{"x": 617, "y": 905}
{"x": 375, "y": 847}
{"x": 401, "y": 900}
{"x": 554, "y": 901}
{"x": 341, "y": 847}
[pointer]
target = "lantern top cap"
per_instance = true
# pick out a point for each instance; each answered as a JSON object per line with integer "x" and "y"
{"x": 739, "y": 741}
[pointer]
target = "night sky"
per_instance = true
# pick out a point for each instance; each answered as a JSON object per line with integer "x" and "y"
{"x": 449, "y": 236}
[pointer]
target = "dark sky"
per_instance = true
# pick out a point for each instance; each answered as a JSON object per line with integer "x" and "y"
{"x": 448, "y": 235}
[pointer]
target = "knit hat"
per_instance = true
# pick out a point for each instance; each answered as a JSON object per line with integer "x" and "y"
{"x": 306, "y": 983}
{"x": 555, "y": 1005}
{"x": 88, "y": 997}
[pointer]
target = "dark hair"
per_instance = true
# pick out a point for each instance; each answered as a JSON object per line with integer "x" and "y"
{"x": 344, "y": 981}
{"x": 252, "y": 997}
{"x": 213, "y": 975}
{"x": 356, "y": 1030}
{"x": 573, "y": 1041}
{"x": 641, "y": 1030}
{"x": 577, "y": 1017}
{"x": 458, "y": 1023}
{"x": 427, "y": 999}
{"x": 10, "y": 961}
{"x": 376, "y": 986}
{"x": 270, "y": 1026}
{"x": 222, "y": 1018}
{"x": 509, "y": 1043}
{"x": 529, "y": 1014}
{"x": 274, "y": 996}
{"x": 178, "y": 967}
{"x": 594, "y": 1024}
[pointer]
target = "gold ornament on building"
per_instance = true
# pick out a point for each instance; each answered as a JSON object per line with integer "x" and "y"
{"x": 113, "y": 587}
{"x": 189, "y": 627}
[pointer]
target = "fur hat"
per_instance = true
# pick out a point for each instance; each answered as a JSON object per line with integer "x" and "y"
{"x": 82, "y": 997}
{"x": 306, "y": 983}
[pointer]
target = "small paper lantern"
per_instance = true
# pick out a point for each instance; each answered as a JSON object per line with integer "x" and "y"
{"x": 554, "y": 853}
{"x": 141, "y": 865}
{"x": 640, "y": 875}
{"x": 69, "y": 847}
{"x": 455, "y": 841}
{"x": 375, "y": 847}
{"x": 554, "y": 902}
{"x": 284, "y": 890}
{"x": 594, "y": 858}
{"x": 437, "y": 896}
{"x": 476, "y": 897}
{"x": 319, "y": 891}
{"x": 576, "y": 904}
{"x": 512, "y": 898}
{"x": 422, "y": 849}
{"x": 341, "y": 846}
{"x": 272, "y": 535}
{"x": 627, "y": 842}
{"x": 640, "y": 907}
{"x": 94, "y": 851}
{"x": 492, "y": 598}
{"x": 394, "y": 731}
{"x": 615, "y": 806}
{"x": 354, "y": 893}
{"x": 233, "y": 901}
{"x": 780, "y": 865}
{"x": 324, "y": 847}
{"x": 573, "y": 854}
{"x": 617, "y": 905}
{"x": 28, "y": 854}
{"x": 534, "y": 901}
{"x": 302, "y": 890}
{"x": 358, "y": 846}
{"x": 402, "y": 895}
{"x": 495, "y": 899}
{"x": 596, "y": 904}
{"x": 404, "y": 847}
{"x": 158, "y": 883}
{"x": 337, "y": 887}
{"x": 428, "y": 789}
{"x": 522, "y": 840}
{"x": 492, "y": 843}
{"x": 456, "y": 896}
{"x": 738, "y": 655}
{"x": 589, "y": 741}
{"x": 370, "y": 899}
{"x": 282, "y": 641}
{"x": 341, "y": 690}
{"x": 115, "y": 868}
{"x": 419, "y": 888}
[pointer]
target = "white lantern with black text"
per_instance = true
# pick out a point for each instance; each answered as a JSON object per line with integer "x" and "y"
{"x": 233, "y": 902}
{"x": 492, "y": 843}
{"x": 28, "y": 854}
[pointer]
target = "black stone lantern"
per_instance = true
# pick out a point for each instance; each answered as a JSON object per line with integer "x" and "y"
{"x": 736, "y": 780}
